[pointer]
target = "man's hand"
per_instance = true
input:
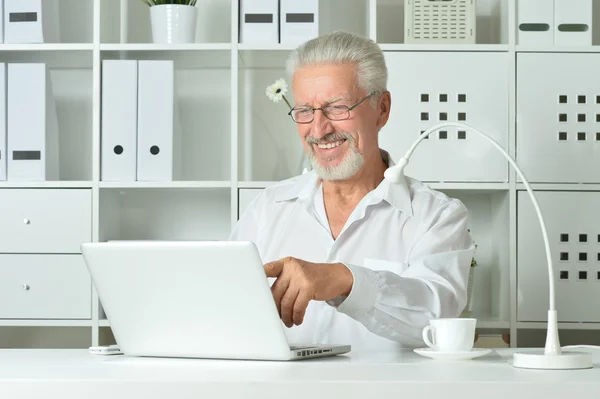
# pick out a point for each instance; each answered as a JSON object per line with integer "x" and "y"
{"x": 299, "y": 281}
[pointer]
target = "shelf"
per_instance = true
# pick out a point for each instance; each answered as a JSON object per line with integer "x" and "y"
{"x": 483, "y": 187}
{"x": 164, "y": 47}
{"x": 266, "y": 47}
{"x": 130, "y": 21}
{"x": 444, "y": 47}
{"x": 256, "y": 184}
{"x": 468, "y": 186}
{"x": 558, "y": 49}
{"x": 56, "y": 57}
{"x": 560, "y": 186}
{"x": 167, "y": 185}
{"x": 192, "y": 213}
{"x": 202, "y": 108}
{"x": 46, "y": 184}
{"x": 233, "y": 138}
{"x": 45, "y": 323}
{"x": 492, "y": 323}
{"x": 561, "y": 326}
{"x": 199, "y": 58}
{"x": 493, "y": 19}
{"x": 47, "y": 47}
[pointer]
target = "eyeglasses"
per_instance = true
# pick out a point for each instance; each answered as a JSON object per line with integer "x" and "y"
{"x": 332, "y": 112}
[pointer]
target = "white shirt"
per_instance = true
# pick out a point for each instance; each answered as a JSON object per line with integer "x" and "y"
{"x": 406, "y": 245}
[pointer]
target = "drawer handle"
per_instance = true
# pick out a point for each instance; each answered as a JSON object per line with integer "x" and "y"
{"x": 26, "y": 221}
{"x": 26, "y": 287}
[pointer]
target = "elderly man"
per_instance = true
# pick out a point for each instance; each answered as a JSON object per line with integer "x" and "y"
{"x": 355, "y": 259}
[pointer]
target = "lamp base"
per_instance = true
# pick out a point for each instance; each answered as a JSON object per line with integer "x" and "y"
{"x": 564, "y": 361}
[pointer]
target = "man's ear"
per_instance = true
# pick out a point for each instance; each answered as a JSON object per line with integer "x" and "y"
{"x": 384, "y": 106}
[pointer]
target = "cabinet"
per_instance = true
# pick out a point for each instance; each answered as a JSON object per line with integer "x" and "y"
{"x": 235, "y": 142}
{"x": 45, "y": 287}
{"x": 44, "y": 220}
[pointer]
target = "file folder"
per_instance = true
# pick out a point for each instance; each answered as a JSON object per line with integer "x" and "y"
{"x": 573, "y": 22}
{"x": 2, "y": 121}
{"x": 535, "y": 25}
{"x": 299, "y": 21}
{"x": 259, "y": 21}
{"x": 119, "y": 120}
{"x": 32, "y": 125}
{"x": 156, "y": 103}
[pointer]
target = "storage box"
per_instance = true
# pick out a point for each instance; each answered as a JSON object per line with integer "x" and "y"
{"x": 31, "y": 21}
{"x": 439, "y": 21}
{"x": 573, "y": 22}
{"x": 259, "y": 21}
{"x": 299, "y": 21}
{"x": 535, "y": 22}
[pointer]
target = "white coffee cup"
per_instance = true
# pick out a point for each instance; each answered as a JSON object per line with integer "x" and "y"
{"x": 450, "y": 335}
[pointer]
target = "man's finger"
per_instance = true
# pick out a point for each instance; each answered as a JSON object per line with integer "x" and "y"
{"x": 274, "y": 269}
{"x": 300, "y": 308}
{"x": 278, "y": 289}
{"x": 287, "y": 305}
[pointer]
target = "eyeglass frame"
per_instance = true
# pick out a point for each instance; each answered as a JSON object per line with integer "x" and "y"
{"x": 313, "y": 109}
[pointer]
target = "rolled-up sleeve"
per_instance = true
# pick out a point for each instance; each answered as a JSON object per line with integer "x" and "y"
{"x": 399, "y": 306}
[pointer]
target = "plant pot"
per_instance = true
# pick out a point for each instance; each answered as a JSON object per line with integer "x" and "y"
{"x": 173, "y": 23}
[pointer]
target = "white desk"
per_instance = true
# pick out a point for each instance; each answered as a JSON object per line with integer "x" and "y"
{"x": 70, "y": 374}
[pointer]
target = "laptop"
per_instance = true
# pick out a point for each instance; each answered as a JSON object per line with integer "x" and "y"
{"x": 198, "y": 299}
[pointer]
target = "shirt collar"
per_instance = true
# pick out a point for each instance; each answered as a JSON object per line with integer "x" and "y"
{"x": 397, "y": 195}
{"x": 303, "y": 187}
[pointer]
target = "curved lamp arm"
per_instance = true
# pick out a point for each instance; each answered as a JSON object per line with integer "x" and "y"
{"x": 396, "y": 173}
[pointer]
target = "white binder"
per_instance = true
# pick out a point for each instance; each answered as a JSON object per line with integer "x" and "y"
{"x": 259, "y": 21}
{"x": 156, "y": 102}
{"x": 3, "y": 121}
{"x": 32, "y": 125}
{"x": 573, "y": 22}
{"x": 299, "y": 20}
{"x": 119, "y": 120}
{"x": 535, "y": 22}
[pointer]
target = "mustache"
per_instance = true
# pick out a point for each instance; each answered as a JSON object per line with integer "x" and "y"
{"x": 331, "y": 137}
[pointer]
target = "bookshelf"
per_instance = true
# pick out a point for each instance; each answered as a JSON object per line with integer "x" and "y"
{"x": 237, "y": 142}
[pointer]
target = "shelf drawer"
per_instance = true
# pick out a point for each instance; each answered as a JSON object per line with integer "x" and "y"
{"x": 45, "y": 220}
{"x": 44, "y": 287}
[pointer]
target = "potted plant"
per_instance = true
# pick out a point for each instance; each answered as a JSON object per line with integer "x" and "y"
{"x": 173, "y": 21}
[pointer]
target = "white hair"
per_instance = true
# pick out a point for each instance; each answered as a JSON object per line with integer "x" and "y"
{"x": 345, "y": 48}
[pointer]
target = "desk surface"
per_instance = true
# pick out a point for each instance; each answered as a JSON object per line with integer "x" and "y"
{"x": 76, "y": 373}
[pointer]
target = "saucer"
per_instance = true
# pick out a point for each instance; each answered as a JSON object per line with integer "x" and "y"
{"x": 462, "y": 355}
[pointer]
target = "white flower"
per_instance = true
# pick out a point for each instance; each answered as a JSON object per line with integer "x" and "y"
{"x": 277, "y": 90}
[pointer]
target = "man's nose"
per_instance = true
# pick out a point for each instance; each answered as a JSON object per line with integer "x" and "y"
{"x": 321, "y": 125}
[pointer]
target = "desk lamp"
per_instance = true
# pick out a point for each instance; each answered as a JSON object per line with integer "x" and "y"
{"x": 553, "y": 358}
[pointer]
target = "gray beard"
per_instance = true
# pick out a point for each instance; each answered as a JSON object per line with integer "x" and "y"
{"x": 349, "y": 166}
